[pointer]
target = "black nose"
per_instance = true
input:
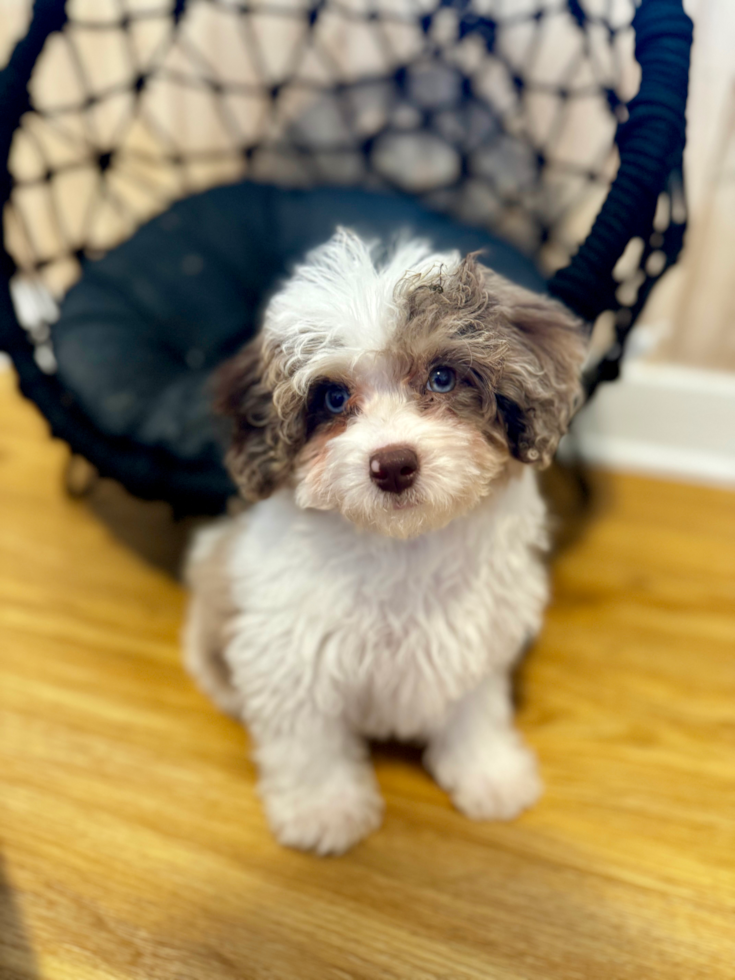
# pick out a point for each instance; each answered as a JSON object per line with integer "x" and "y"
{"x": 394, "y": 469}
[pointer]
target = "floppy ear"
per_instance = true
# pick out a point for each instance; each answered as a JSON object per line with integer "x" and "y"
{"x": 265, "y": 440}
{"x": 539, "y": 385}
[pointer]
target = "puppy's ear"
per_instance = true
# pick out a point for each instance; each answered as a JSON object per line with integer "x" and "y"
{"x": 539, "y": 385}
{"x": 265, "y": 440}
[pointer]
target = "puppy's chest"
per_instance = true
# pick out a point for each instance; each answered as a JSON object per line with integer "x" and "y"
{"x": 405, "y": 633}
{"x": 388, "y": 632}
{"x": 420, "y": 645}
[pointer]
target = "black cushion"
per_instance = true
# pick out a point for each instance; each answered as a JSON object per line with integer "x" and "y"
{"x": 141, "y": 332}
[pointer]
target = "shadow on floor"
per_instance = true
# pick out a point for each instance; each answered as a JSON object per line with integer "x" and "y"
{"x": 17, "y": 961}
{"x": 147, "y": 527}
{"x": 576, "y": 497}
{"x": 392, "y": 751}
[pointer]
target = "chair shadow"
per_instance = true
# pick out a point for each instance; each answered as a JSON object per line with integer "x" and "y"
{"x": 149, "y": 528}
{"x": 17, "y": 960}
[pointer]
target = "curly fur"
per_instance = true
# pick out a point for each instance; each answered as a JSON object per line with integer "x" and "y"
{"x": 352, "y": 612}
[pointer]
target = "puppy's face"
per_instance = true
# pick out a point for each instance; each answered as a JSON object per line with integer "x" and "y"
{"x": 399, "y": 394}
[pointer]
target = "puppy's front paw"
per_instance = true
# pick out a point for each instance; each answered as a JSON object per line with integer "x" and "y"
{"x": 327, "y": 819}
{"x": 497, "y": 784}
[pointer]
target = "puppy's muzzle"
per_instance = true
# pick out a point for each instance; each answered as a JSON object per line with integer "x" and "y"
{"x": 394, "y": 469}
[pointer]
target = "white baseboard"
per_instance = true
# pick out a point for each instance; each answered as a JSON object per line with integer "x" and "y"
{"x": 663, "y": 420}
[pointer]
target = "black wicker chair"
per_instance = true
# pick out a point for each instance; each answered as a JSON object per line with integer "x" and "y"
{"x": 442, "y": 100}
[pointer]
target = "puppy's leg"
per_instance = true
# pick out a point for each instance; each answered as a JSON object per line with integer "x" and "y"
{"x": 479, "y": 757}
{"x": 209, "y": 615}
{"x": 317, "y": 785}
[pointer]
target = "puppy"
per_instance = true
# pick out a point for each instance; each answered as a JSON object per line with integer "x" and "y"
{"x": 387, "y": 422}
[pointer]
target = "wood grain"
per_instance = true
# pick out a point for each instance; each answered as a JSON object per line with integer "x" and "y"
{"x": 134, "y": 845}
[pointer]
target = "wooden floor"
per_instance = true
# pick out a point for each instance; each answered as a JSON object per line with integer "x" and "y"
{"x": 133, "y": 845}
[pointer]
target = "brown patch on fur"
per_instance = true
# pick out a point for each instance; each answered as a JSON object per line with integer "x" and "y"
{"x": 319, "y": 418}
{"x": 313, "y": 457}
{"x": 322, "y": 436}
{"x": 517, "y": 355}
{"x": 269, "y": 425}
{"x": 272, "y": 422}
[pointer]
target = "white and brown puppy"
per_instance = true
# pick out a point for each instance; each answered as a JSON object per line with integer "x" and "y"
{"x": 387, "y": 420}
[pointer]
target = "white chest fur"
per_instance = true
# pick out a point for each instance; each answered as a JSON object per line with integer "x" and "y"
{"x": 386, "y": 633}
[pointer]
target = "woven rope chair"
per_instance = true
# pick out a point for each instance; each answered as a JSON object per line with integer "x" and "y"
{"x": 527, "y": 117}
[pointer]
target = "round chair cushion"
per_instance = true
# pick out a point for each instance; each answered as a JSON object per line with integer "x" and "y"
{"x": 141, "y": 332}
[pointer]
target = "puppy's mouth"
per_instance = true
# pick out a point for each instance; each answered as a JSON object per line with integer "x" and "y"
{"x": 408, "y": 503}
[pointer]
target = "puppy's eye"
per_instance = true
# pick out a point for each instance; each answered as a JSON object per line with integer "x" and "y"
{"x": 336, "y": 398}
{"x": 442, "y": 379}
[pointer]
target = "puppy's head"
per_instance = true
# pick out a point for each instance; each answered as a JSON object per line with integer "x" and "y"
{"x": 398, "y": 393}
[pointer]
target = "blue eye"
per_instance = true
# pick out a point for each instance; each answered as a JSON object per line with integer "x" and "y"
{"x": 336, "y": 398}
{"x": 442, "y": 379}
